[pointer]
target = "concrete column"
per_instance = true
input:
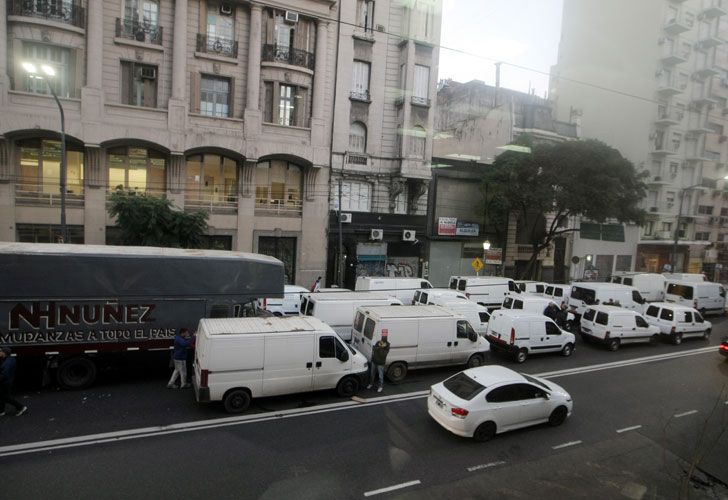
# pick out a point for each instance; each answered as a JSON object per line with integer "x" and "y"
{"x": 246, "y": 207}
{"x": 3, "y": 52}
{"x": 254, "y": 48}
{"x": 179, "y": 49}
{"x": 95, "y": 44}
{"x": 319, "y": 77}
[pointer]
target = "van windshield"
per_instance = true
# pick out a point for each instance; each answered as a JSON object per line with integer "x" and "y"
{"x": 584, "y": 294}
{"x": 463, "y": 386}
{"x": 684, "y": 291}
{"x": 549, "y": 290}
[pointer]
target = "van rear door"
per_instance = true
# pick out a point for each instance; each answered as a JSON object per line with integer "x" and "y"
{"x": 288, "y": 363}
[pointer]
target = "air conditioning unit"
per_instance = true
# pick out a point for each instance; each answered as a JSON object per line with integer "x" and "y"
{"x": 148, "y": 73}
{"x": 380, "y": 27}
{"x": 226, "y": 9}
{"x": 408, "y": 235}
{"x": 376, "y": 234}
{"x": 345, "y": 218}
{"x": 291, "y": 17}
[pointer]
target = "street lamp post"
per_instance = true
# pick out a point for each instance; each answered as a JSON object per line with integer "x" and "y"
{"x": 486, "y": 247}
{"x": 32, "y": 71}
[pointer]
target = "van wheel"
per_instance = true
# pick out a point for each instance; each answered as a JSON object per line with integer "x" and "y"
{"x": 485, "y": 432}
{"x": 521, "y": 355}
{"x": 706, "y": 334}
{"x": 568, "y": 350}
{"x": 677, "y": 339}
{"x": 76, "y": 373}
{"x": 236, "y": 401}
{"x": 475, "y": 360}
{"x": 558, "y": 416}
{"x": 613, "y": 344}
{"x": 397, "y": 371}
{"x": 347, "y": 387}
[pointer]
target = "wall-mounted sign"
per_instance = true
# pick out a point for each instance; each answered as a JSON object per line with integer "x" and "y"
{"x": 494, "y": 256}
{"x": 467, "y": 229}
{"x": 447, "y": 226}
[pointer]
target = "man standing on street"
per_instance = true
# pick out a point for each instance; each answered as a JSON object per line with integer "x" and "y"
{"x": 379, "y": 359}
{"x": 182, "y": 341}
{"x": 7, "y": 375}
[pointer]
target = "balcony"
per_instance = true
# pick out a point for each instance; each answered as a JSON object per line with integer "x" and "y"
{"x": 674, "y": 52}
{"x": 420, "y": 101}
{"x": 669, "y": 115}
{"x": 658, "y": 181}
{"x": 667, "y": 87}
{"x": 680, "y": 24}
{"x": 143, "y": 32}
{"x": 62, "y": 12}
{"x": 290, "y": 208}
{"x": 360, "y": 95}
{"x": 661, "y": 149}
{"x": 217, "y": 45}
{"x": 212, "y": 202}
{"x": 706, "y": 69}
{"x": 287, "y": 55}
{"x": 31, "y": 193}
{"x": 709, "y": 38}
{"x": 714, "y": 8}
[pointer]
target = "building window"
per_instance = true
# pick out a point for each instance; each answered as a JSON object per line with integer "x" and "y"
{"x": 211, "y": 179}
{"x": 360, "y": 83}
{"x": 400, "y": 203}
{"x": 278, "y": 186}
{"x": 365, "y": 14}
{"x": 293, "y": 108}
{"x": 624, "y": 263}
{"x": 138, "y": 84}
{"x": 46, "y": 233}
{"x": 220, "y": 28}
{"x": 56, "y": 57}
{"x": 215, "y": 96}
{"x": 358, "y": 138}
{"x": 283, "y": 35}
{"x": 649, "y": 228}
{"x": 421, "y": 90}
{"x": 145, "y": 12}
{"x": 705, "y": 209}
{"x": 670, "y": 198}
{"x": 702, "y": 236}
{"x": 667, "y": 226}
{"x": 676, "y": 140}
{"x": 724, "y": 212}
{"x": 40, "y": 169}
{"x": 355, "y": 196}
{"x": 422, "y": 18}
{"x": 283, "y": 249}
{"x": 417, "y": 142}
{"x": 287, "y": 106}
{"x": 137, "y": 169}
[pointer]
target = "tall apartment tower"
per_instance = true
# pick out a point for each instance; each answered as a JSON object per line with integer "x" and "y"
{"x": 382, "y": 137}
{"x": 651, "y": 79}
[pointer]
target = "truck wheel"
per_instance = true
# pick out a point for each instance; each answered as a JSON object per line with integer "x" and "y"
{"x": 236, "y": 400}
{"x": 76, "y": 373}
{"x": 475, "y": 360}
{"x": 521, "y": 355}
{"x": 397, "y": 371}
{"x": 484, "y": 432}
{"x": 677, "y": 339}
{"x": 613, "y": 345}
{"x": 568, "y": 350}
{"x": 347, "y": 387}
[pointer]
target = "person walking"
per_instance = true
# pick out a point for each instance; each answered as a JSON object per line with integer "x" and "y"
{"x": 379, "y": 359}
{"x": 316, "y": 285}
{"x": 7, "y": 376}
{"x": 182, "y": 341}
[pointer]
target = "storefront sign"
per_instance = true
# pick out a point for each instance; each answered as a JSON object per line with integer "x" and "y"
{"x": 467, "y": 229}
{"x": 494, "y": 256}
{"x": 447, "y": 226}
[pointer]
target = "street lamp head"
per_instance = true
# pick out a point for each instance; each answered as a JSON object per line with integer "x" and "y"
{"x": 29, "y": 68}
{"x": 48, "y": 70}
{"x": 486, "y": 245}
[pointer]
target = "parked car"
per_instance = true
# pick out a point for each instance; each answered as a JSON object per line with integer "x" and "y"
{"x": 289, "y": 304}
{"x": 677, "y": 322}
{"x": 402, "y": 288}
{"x": 704, "y": 296}
{"x": 614, "y": 326}
{"x": 488, "y": 400}
{"x": 723, "y": 348}
{"x": 521, "y": 334}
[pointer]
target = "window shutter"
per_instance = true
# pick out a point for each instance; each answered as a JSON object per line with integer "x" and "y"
{"x": 231, "y": 98}
{"x": 126, "y": 79}
{"x": 194, "y": 92}
{"x": 150, "y": 93}
{"x": 300, "y": 34}
{"x": 203, "y": 17}
{"x": 269, "y": 27}
{"x": 422, "y": 80}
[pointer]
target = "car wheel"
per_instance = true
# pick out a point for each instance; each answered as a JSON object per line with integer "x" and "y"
{"x": 521, "y": 355}
{"x": 570, "y": 326}
{"x": 706, "y": 334}
{"x": 475, "y": 360}
{"x": 568, "y": 350}
{"x": 347, "y": 387}
{"x": 236, "y": 401}
{"x": 613, "y": 344}
{"x": 558, "y": 416}
{"x": 677, "y": 339}
{"x": 397, "y": 371}
{"x": 485, "y": 432}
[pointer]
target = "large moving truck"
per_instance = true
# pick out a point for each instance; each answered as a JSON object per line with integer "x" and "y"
{"x": 73, "y": 307}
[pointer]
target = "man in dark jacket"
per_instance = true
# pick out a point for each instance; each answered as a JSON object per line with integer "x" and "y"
{"x": 379, "y": 359}
{"x": 182, "y": 341}
{"x": 7, "y": 376}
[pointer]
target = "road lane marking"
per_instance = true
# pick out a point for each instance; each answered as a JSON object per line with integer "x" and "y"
{"x": 566, "y": 445}
{"x": 484, "y": 466}
{"x": 685, "y": 414}
{"x": 392, "y": 488}
{"x": 626, "y": 429}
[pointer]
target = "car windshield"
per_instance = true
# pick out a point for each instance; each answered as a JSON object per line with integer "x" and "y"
{"x": 535, "y": 381}
{"x": 463, "y": 386}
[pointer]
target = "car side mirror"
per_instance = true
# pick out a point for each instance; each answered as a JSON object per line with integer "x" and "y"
{"x": 343, "y": 356}
{"x": 473, "y": 337}
{"x": 546, "y": 396}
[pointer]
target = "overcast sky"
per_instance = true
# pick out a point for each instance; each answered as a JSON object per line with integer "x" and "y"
{"x": 522, "y": 32}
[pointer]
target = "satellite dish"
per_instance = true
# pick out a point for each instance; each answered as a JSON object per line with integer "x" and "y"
{"x": 575, "y": 260}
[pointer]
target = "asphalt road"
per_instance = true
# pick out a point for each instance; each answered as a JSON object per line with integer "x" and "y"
{"x": 670, "y": 413}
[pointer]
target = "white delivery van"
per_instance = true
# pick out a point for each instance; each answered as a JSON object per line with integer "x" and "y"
{"x": 650, "y": 285}
{"x": 685, "y": 277}
{"x": 237, "y": 359}
{"x": 705, "y": 296}
{"x": 588, "y": 294}
{"x": 338, "y": 309}
{"x": 487, "y": 291}
{"x": 289, "y": 304}
{"x": 428, "y": 296}
{"x": 420, "y": 337}
{"x": 402, "y": 288}
{"x": 557, "y": 293}
{"x": 520, "y": 334}
{"x": 528, "y": 303}
{"x": 614, "y": 326}
{"x": 534, "y": 287}
{"x": 476, "y": 314}
{"x": 677, "y": 322}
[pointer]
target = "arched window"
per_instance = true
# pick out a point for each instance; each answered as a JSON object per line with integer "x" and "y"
{"x": 358, "y": 138}
{"x": 137, "y": 169}
{"x": 40, "y": 168}
{"x": 211, "y": 179}
{"x": 278, "y": 186}
{"x": 417, "y": 142}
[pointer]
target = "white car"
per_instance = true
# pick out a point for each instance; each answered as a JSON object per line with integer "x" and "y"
{"x": 484, "y": 401}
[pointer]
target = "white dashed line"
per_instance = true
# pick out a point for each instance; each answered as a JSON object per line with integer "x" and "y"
{"x": 685, "y": 414}
{"x": 484, "y": 466}
{"x": 565, "y": 445}
{"x": 626, "y": 429}
{"x": 392, "y": 488}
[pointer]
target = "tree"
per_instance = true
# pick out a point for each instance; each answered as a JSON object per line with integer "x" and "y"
{"x": 152, "y": 221}
{"x": 557, "y": 181}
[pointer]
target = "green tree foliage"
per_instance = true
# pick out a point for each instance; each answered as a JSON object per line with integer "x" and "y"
{"x": 152, "y": 221}
{"x": 574, "y": 178}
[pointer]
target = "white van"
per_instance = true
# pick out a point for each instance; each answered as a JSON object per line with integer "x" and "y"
{"x": 693, "y": 277}
{"x": 289, "y": 304}
{"x": 486, "y": 291}
{"x": 677, "y": 322}
{"x": 402, "y": 288}
{"x": 706, "y": 297}
{"x": 528, "y": 303}
{"x": 476, "y": 314}
{"x": 614, "y": 326}
{"x": 535, "y": 287}
{"x": 420, "y": 337}
{"x": 337, "y": 309}
{"x": 650, "y": 285}
{"x": 428, "y": 296}
{"x": 521, "y": 333}
{"x": 557, "y": 293}
{"x": 237, "y": 359}
{"x": 588, "y": 294}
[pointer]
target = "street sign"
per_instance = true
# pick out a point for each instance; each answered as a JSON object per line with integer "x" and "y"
{"x": 477, "y": 264}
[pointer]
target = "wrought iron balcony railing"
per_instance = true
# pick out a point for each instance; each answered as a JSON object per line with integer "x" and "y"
{"x": 141, "y": 31}
{"x": 217, "y": 45}
{"x": 62, "y": 11}
{"x": 288, "y": 55}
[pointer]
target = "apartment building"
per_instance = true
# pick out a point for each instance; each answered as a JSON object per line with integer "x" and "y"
{"x": 222, "y": 106}
{"x": 382, "y": 137}
{"x": 654, "y": 84}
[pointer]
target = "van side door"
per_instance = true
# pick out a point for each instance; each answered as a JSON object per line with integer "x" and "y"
{"x": 288, "y": 364}
{"x": 332, "y": 359}
{"x": 538, "y": 341}
{"x": 437, "y": 337}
